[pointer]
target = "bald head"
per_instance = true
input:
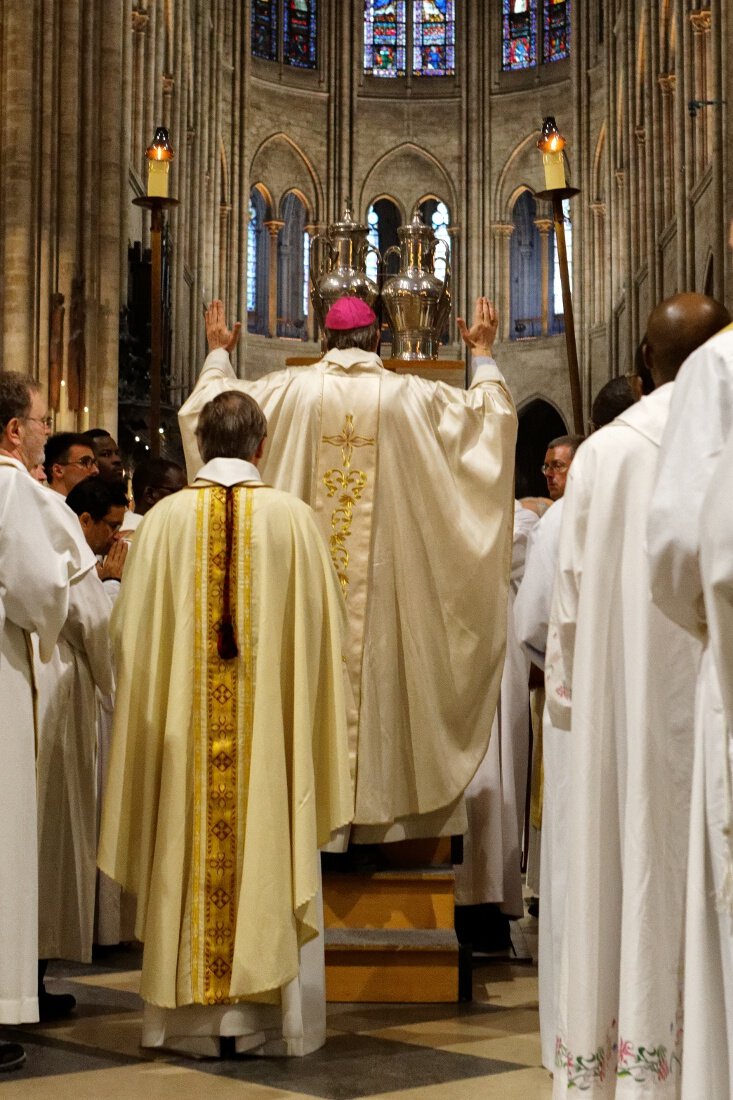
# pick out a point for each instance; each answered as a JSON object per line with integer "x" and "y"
{"x": 676, "y": 327}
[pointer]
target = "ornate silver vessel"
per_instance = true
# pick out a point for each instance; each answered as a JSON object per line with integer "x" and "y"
{"x": 416, "y": 302}
{"x": 338, "y": 265}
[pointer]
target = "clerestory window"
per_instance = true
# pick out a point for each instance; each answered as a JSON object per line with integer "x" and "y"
{"x": 533, "y": 31}
{"x": 285, "y": 30}
{"x": 414, "y": 35}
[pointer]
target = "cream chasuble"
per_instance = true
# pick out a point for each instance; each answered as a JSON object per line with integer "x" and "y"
{"x": 411, "y": 482}
{"x": 226, "y": 775}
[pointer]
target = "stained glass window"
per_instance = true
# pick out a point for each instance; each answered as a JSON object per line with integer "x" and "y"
{"x": 385, "y": 37}
{"x": 434, "y": 38}
{"x": 252, "y": 259}
{"x": 299, "y": 33}
{"x": 520, "y": 34}
{"x": 372, "y": 264}
{"x": 306, "y": 271}
{"x": 557, "y": 303}
{"x": 264, "y": 29}
{"x": 556, "y": 28}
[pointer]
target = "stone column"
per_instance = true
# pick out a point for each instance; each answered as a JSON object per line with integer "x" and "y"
{"x": 598, "y": 272}
{"x": 641, "y": 198}
{"x": 544, "y": 225}
{"x": 701, "y": 22}
{"x": 455, "y": 270}
{"x": 667, "y": 83}
{"x": 503, "y": 232}
{"x": 273, "y": 228}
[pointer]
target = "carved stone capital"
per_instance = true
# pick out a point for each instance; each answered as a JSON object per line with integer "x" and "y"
{"x": 544, "y": 225}
{"x": 140, "y": 20}
{"x": 502, "y": 229}
{"x": 620, "y": 175}
{"x": 273, "y": 227}
{"x": 640, "y": 134}
{"x": 168, "y": 83}
{"x": 598, "y": 209}
{"x": 667, "y": 82}
{"x": 701, "y": 20}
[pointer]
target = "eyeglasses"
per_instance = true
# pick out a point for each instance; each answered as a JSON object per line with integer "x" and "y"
{"x": 47, "y": 421}
{"x": 86, "y": 463}
{"x": 554, "y": 467}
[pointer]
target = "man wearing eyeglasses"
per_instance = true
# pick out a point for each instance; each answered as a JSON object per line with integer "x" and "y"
{"x": 41, "y": 556}
{"x": 69, "y": 459}
{"x": 560, "y": 453}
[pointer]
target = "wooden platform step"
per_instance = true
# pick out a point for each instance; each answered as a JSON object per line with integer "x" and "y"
{"x": 391, "y": 966}
{"x": 418, "y": 898}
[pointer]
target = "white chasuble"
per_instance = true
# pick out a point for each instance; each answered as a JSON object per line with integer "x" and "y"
{"x": 227, "y": 774}
{"x": 412, "y": 485}
{"x": 41, "y": 554}
{"x": 629, "y": 776}
{"x": 343, "y": 501}
{"x": 691, "y": 466}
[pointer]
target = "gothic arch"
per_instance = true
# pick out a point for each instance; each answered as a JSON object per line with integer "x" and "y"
{"x": 283, "y": 163}
{"x": 539, "y": 421}
{"x": 390, "y": 198}
{"x": 264, "y": 191}
{"x": 409, "y": 164}
{"x": 299, "y": 195}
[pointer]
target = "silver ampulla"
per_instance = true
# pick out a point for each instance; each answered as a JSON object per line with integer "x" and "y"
{"x": 338, "y": 265}
{"x": 416, "y": 302}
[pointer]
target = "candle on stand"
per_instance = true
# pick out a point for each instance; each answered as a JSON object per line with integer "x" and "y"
{"x": 159, "y": 155}
{"x": 552, "y": 143}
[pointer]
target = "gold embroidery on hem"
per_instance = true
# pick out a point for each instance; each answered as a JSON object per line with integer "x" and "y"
{"x": 222, "y": 748}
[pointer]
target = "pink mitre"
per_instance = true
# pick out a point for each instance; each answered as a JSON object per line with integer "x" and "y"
{"x": 348, "y": 313}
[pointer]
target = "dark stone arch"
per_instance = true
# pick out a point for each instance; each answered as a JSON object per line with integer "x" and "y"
{"x": 539, "y": 422}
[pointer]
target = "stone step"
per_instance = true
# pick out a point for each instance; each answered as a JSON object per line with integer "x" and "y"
{"x": 418, "y": 898}
{"x": 391, "y": 966}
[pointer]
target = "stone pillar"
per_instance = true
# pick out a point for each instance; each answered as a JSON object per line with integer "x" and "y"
{"x": 455, "y": 269}
{"x": 667, "y": 82}
{"x": 598, "y": 272}
{"x": 701, "y": 22}
{"x": 641, "y": 199}
{"x": 544, "y": 225}
{"x": 273, "y": 228}
{"x": 503, "y": 232}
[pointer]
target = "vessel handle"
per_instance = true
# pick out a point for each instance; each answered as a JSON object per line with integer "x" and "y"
{"x": 392, "y": 248}
{"x": 316, "y": 270}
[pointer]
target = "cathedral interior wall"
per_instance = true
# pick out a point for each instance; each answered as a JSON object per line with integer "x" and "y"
{"x": 82, "y": 91}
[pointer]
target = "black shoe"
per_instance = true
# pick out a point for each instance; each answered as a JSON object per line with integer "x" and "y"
{"x": 12, "y": 1056}
{"x": 55, "y": 1006}
{"x": 533, "y": 908}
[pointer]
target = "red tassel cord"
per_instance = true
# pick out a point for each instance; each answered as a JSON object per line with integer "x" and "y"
{"x": 226, "y": 642}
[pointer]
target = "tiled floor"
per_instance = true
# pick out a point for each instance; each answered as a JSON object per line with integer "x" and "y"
{"x": 488, "y": 1050}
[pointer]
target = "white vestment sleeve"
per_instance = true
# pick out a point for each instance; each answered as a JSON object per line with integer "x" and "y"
{"x": 87, "y": 628}
{"x": 564, "y": 613}
{"x": 46, "y": 554}
{"x": 717, "y": 567}
{"x": 700, "y": 418}
{"x": 534, "y": 598}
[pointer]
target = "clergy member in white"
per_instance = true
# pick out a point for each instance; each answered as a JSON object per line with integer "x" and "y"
{"x": 229, "y": 763}
{"x": 491, "y": 871}
{"x": 531, "y": 619}
{"x": 40, "y": 556}
{"x": 629, "y": 764}
{"x": 700, "y": 422}
{"x": 81, "y": 667}
{"x": 532, "y": 615}
{"x": 411, "y": 482}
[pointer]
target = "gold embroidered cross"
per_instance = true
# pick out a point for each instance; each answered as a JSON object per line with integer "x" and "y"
{"x": 348, "y": 440}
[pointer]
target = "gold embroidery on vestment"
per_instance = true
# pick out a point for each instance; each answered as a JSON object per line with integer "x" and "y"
{"x": 222, "y": 731}
{"x": 349, "y": 484}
